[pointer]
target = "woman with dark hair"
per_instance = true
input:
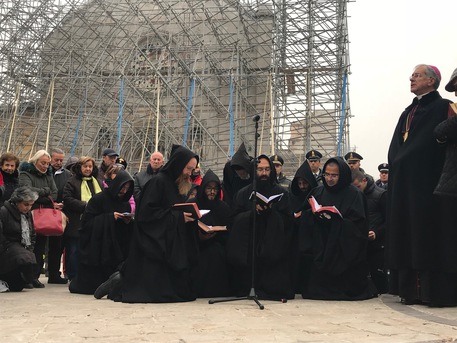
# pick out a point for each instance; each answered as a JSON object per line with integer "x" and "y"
{"x": 37, "y": 174}
{"x": 17, "y": 239}
{"x": 78, "y": 190}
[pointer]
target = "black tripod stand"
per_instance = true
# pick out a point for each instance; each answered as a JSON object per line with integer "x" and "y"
{"x": 252, "y": 293}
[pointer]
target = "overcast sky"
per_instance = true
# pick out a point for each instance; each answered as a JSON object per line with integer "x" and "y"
{"x": 387, "y": 39}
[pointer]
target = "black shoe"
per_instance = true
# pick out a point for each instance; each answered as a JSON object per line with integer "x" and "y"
{"x": 58, "y": 280}
{"x": 106, "y": 287}
{"x": 28, "y": 286}
{"x": 37, "y": 284}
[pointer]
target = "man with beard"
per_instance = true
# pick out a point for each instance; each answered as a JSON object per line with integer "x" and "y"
{"x": 236, "y": 174}
{"x": 272, "y": 273}
{"x": 210, "y": 274}
{"x": 337, "y": 245}
{"x": 155, "y": 163}
{"x": 164, "y": 244}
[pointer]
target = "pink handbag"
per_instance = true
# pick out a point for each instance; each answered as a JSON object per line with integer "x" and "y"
{"x": 49, "y": 221}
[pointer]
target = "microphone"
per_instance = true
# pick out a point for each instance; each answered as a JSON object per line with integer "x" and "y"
{"x": 256, "y": 117}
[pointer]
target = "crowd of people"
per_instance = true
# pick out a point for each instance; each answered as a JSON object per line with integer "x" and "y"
{"x": 330, "y": 232}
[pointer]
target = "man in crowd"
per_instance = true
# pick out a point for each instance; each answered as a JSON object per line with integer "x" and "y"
{"x": 164, "y": 244}
{"x": 155, "y": 163}
{"x": 273, "y": 274}
{"x": 353, "y": 160}
{"x": 383, "y": 175}
{"x": 109, "y": 157}
{"x": 9, "y": 165}
{"x": 421, "y": 270}
{"x": 314, "y": 160}
{"x": 278, "y": 162}
{"x": 376, "y": 201}
{"x": 61, "y": 176}
{"x": 337, "y": 245}
{"x": 236, "y": 174}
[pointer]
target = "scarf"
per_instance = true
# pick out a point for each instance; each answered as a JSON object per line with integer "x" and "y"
{"x": 25, "y": 234}
{"x": 86, "y": 194}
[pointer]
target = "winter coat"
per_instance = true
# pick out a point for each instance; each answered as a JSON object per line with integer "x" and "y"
{"x": 41, "y": 183}
{"x": 13, "y": 253}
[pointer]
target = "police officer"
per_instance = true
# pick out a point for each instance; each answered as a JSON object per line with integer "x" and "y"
{"x": 353, "y": 160}
{"x": 278, "y": 162}
{"x": 383, "y": 175}
{"x": 314, "y": 161}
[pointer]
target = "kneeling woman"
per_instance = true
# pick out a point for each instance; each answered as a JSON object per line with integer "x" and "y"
{"x": 17, "y": 239}
{"x": 104, "y": 235}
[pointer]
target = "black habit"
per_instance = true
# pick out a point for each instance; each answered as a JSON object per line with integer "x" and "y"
{"x": 210, "y": 274}
{"x": 421, "y": 225}
{"x": 104, "y": 241}
{"x": 273, "y": 277}
{"x": 338, "y": 247}
{"x": 163, "y": 246}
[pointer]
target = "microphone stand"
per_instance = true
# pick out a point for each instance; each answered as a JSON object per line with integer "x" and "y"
{"x": 252, "y": 293}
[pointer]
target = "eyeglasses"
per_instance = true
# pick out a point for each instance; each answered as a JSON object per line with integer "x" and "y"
{"x": 330, "y": 176}
{"x": 261, "y": 170}
{"x": 211, "y": 190}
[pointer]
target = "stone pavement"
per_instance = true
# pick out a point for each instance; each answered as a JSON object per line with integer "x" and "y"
{"x": 53, "y": 314}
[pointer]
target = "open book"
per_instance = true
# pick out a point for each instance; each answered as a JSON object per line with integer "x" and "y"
{"x": 190, "y": 207}
{"x": 326, "y": 212}
{"x": 265, "y": 201}
{"x": 211, "y": 229}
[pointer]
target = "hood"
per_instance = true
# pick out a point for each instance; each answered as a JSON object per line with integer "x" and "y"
{"x": 209, "y": 176}
{"x": 30, "y": 168}
{"x": 241, "y": 159}
{"x": 120, "y": 180}
{"x": 345, "y": 174}
{"x": 178, "y": 159}
{"x": 304, "y": 171}
{"x": 273, "y": 178}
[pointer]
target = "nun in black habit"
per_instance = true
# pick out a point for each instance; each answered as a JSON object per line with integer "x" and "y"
{"x": 273, "y": 279}
{"x": 337, "y": 245}
{"x": 164, "y": 245}
{"x": 104, "y": 235}
{"x": 210, "y": 274}
{"x": 301, "y": 186}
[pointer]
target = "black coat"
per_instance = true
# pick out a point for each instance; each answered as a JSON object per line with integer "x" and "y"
{"x": 13, "y": 254}
{"x": 272, "y": 243}
{"x": 140, "y": 181}
{"x": 414, "y": 238}
{"x": 163, "y": 246}
{"x": 104, "y": 241}
{"x": 210, "y": 276}
{"x": 337, "y": 246}
{"x": 377, "y": 207}
{"x": 446, "y": 133}
{"x": 74, "y": 206}
{"x": 11, "y": 182}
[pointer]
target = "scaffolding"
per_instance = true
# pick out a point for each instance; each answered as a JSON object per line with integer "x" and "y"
{"x": 140, "y": 76}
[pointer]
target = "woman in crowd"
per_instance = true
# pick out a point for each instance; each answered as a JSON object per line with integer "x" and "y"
{"x": 79, "y": 189}
{"x": 37, "y": 174}
{"x": 106, "y": 227}
{"x": 17, "y": 239}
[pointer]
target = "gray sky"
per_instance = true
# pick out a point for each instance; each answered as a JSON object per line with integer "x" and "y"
{"x": 387, "y": 39}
